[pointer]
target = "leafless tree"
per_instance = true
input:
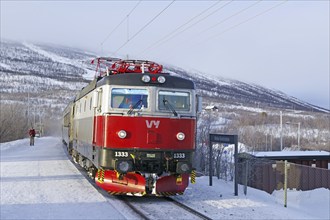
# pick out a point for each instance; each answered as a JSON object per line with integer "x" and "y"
{"x": 14, "y": 123}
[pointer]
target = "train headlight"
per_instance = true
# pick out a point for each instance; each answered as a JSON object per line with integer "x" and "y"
{"x": 145, "y": 78}
{"x": 161, "y": 79}
{"x": 124, "y": 166}
{"x": 180, "y": 136}
{"x": 182, "y": 167}
{"x": 122, "y": 134}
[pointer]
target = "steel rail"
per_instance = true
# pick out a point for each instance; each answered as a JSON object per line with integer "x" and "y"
{"x": 135, "y": 209}
{"x": 187, "y": 208}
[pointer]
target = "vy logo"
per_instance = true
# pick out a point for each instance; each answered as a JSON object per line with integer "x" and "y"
{"x": 152, "y": 123}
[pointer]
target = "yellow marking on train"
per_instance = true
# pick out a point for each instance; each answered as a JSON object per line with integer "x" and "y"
{"x": 100, "y": 175}
{"x": 179, "y": 180}
{"x": 193, "y": 176}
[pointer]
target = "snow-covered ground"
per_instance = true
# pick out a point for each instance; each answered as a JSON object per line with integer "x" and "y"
{"x": 40, "y": 182}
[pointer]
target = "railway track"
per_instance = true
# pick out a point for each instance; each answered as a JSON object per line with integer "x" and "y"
{"x": 134, "y": 208}
{"x": 147, "y": 207}
{"x": 151, "y": 207}
{"x": 189, "y": 209}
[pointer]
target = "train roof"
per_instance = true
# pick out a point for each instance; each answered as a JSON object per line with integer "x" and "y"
{"x": 135, "y": 79}
{"x": 113, "y": 71}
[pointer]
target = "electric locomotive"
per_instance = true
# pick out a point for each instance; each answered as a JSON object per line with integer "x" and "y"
{"x": 133, "y": 128}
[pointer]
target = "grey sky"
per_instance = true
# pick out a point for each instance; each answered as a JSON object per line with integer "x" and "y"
{"x": 283, "y": 45}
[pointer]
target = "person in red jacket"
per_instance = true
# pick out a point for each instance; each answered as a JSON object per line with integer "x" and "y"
{"x": 32, "y": 134}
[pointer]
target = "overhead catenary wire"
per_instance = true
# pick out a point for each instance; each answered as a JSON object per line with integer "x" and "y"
{"x": 238, "y": 24}
{"x": 178, "y": 28}
{"x": 222, "y": 21}
{"x": 146, "y": 25}
{"x": 197, "y": 22}
{"x": 247, "y": 20}
{"x": 122, "y": 21}
{"x": 213, "y": 26}
{"x": 231, "y": 16}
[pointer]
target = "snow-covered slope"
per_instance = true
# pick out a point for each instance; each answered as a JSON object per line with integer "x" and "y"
{"x": 48, "y": 76}
{"x": 240, "y": 93}
{"x": 51, "y": 75}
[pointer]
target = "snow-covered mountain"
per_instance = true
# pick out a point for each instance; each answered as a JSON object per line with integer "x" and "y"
{"x": 50, "y": 76}
{"x": 243, "y": 94}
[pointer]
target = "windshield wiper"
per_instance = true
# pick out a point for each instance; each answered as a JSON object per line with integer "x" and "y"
{"x": 168, "y": 105}
{"x": 130, "y": 111}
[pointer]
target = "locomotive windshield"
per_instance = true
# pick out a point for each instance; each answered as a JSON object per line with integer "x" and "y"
{"x": 127, "y": 98}
{"x": 175, "y": 100}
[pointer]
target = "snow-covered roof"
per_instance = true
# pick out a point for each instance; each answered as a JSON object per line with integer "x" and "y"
{"x": 290, "y": 153}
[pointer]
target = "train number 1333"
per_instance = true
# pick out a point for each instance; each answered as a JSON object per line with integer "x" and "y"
{"x": 179, "y": 155}
{"x": 121, "y": 154}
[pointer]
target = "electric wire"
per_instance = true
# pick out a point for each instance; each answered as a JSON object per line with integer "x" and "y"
{"x": 178, "y": 28}
{"x": 194, "y": 24}
{"x": 146, "y": 25}
{"x": 217, "y": 24}
{"x": 247, "y": 20}
{"x": 122, "y": 21}
{"x": 231, "y": 16}
{"x": 238, "y": 24}
{"x": 220, "y": 22}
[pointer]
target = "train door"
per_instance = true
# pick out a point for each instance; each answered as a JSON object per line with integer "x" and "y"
{"x": 71, "y": 125}
{"x": 98, "y": 131}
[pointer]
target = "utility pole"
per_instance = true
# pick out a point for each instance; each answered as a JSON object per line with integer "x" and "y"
{"x": 298, "y": 135}
{"x": 28, "y": 115}
{"x": 271, "y": 143}
{"x": 210, "y": 162}
{"x": 127, "y": 27}
{"x": 281, "y": 130}
{"x": 34, "y": 117}
{"x": 40, "y": 124}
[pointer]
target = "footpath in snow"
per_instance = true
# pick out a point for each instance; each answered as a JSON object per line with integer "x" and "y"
{"x": 39, "y": 182}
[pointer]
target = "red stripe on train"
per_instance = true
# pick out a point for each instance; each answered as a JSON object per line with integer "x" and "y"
{"x": 144, "y": 132}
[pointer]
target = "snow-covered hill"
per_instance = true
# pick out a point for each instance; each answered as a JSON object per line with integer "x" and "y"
{"x": 48, "y": 76}
{"x": 243, "y": 94}
{"x": 51, "y": 75}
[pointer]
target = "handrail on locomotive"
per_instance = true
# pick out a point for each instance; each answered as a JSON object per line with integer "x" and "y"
{"x": 112, "y": 66}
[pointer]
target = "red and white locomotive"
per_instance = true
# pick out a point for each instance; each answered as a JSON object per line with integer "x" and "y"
{"x": 133, "y": 128}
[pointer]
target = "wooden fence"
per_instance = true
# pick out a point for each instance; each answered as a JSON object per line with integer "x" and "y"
{"x": 269, "y": 175}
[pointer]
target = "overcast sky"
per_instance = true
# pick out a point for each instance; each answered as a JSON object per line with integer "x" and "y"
{"x": 282, "y": 45}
